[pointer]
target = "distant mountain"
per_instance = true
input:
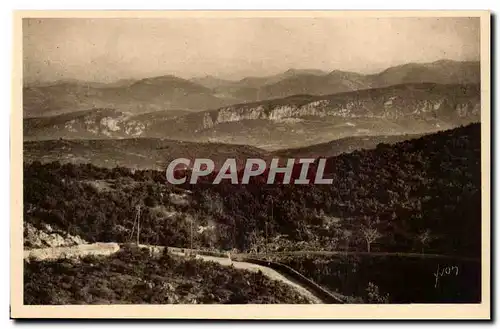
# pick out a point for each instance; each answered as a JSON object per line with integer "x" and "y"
{"x": 212, "y": 82}
{"x": 146, "y": 95}
{"x": 165, "y": 93}
{"x": 254, "y": 88}
{"x": 289, "y": 122}
{"x": 317, "y": 82}
{"x": 83, "y": 83}
{"x": 442, "y": 71}
{"x": 314, "y": 84}
{"x": 258, "y": 82}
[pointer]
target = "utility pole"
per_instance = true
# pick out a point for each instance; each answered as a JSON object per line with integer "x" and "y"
{"x": 272, "y": 216}
{"x": 234, "y": 235}
{"x": 138, "y": 215}
{"x": 191, "y": 221}
{"x": 265, "y": 242}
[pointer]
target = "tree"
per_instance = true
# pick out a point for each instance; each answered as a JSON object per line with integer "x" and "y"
{"x": 371, "y": 235}
{"x": 374, "y": 295}
{"x": 425, "y": 238}
{"x": 346, "y": 235}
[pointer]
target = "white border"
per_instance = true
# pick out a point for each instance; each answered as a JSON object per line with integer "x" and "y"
{"x": 6, "y": 33}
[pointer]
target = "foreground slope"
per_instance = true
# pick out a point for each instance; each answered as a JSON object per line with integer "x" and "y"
{"x": 133, "y": 277}
{"x": 421, "y": 196}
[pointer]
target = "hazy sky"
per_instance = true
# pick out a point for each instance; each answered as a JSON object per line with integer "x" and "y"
{"x": 107, "y": 49}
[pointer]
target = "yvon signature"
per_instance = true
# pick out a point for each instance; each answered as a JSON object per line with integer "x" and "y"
{"x": 445, "y": 271}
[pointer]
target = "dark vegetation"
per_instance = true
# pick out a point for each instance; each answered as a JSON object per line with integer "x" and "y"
{"x": 375, "y": 278}
{"x": 421, "y": 195}
{"x": 133, "y": 277}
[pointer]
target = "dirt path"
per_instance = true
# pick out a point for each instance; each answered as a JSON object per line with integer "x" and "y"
{"x": 81, "y": 250}
{"x": 268, "y": 272}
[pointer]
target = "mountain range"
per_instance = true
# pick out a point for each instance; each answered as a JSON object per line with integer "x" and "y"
{"x": 166, "y": 93}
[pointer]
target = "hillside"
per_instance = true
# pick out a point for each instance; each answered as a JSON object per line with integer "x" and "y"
{"x": 141, "y": 153}
{"x": 149, "y": 153}
{"x": 285, "y": 122}
{"x": 133, "y": 277}
{"x": 421, "y": 194}
{"x": 339, "y": 146}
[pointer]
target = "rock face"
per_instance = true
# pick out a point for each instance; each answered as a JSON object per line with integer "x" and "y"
{"x": 393, "y": 103}
{"x": 278, "y": 123}
{"x": 414, "y": 101}
{"x": 48, "y": 238}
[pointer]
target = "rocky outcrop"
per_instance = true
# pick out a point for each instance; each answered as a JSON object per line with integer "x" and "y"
{"x": 449, "y": 103}
{"x": 48, "y": 237}
{"x": 392, "y": 108}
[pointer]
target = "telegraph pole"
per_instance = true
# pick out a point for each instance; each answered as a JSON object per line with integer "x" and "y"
{"x": 138, "y": 208}
{"x": 272, "y": 217}
{"x": 265, "y": 246}
{"x": 191, "y": 221}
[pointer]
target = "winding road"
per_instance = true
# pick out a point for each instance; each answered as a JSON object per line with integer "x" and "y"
{"x": 268, "y": 272}
{"x": 106, "y": 249}
{"x": 308, "y": 289}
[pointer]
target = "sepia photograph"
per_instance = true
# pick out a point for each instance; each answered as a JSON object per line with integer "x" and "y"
{"x": 303, "y": 164}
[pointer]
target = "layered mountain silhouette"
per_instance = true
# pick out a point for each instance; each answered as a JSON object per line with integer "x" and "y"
{"x": 164, "y": 93}
{"x": 167, "y": 93}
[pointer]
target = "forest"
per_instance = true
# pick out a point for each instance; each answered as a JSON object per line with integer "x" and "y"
{"x": 422, "y": 196}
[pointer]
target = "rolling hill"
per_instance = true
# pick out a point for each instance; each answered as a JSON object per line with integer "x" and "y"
{"x": 139, "y": 153}
{"x": 343, "y": 145}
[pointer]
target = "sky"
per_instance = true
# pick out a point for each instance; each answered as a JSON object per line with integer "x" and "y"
{"x": 109, "y": 49}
